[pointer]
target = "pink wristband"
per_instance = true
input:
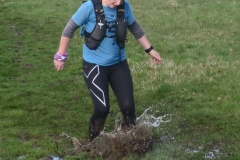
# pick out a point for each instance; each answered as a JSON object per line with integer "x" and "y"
{"x": 60, "y": 57}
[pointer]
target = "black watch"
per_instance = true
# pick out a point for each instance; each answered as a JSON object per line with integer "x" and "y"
{"x": 149, "y": 49}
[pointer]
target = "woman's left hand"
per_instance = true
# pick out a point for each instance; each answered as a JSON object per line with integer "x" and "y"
{"x": 156, "y": 59}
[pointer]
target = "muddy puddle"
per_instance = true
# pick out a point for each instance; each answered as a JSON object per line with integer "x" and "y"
{"x": 117, "y": 143}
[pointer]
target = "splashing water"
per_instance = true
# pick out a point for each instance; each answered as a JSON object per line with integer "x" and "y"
{"x": 151, "y": 120}
{"x": 117, "y": 144}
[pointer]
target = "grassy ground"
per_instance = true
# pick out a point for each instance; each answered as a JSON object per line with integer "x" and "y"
{"x": 197, "y": 82}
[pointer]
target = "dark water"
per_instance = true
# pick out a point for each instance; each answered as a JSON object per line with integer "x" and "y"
{"x": 117, "y": 144}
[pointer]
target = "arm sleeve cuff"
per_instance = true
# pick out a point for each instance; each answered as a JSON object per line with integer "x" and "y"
{"x": 136, "y": 30}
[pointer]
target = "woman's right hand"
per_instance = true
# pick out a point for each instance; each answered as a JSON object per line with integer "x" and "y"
{"x": 58, "y": 65}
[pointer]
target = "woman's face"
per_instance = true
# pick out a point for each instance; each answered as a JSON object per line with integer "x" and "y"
{"x": 113, "y": 3}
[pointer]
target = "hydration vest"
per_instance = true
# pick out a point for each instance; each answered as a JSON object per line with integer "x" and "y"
{"x": 93, "y": 39}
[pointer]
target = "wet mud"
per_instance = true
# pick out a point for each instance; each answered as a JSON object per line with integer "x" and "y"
{"x": 117, "y": 144}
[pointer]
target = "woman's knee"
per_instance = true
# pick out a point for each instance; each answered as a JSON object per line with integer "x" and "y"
{"x": 101, "y": 113}
{"x": 127, "y": 108}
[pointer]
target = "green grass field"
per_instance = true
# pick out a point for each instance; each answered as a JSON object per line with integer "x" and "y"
{"x": 198, "y": 81}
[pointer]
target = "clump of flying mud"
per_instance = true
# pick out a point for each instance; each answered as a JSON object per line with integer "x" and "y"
{"x": 117, "y": 144}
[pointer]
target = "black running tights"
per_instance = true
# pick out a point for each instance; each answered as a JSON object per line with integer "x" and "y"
{"x": 98, "y": 79}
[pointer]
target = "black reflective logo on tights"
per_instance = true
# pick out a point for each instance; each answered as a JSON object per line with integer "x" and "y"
{"x": 95, "y": 89}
